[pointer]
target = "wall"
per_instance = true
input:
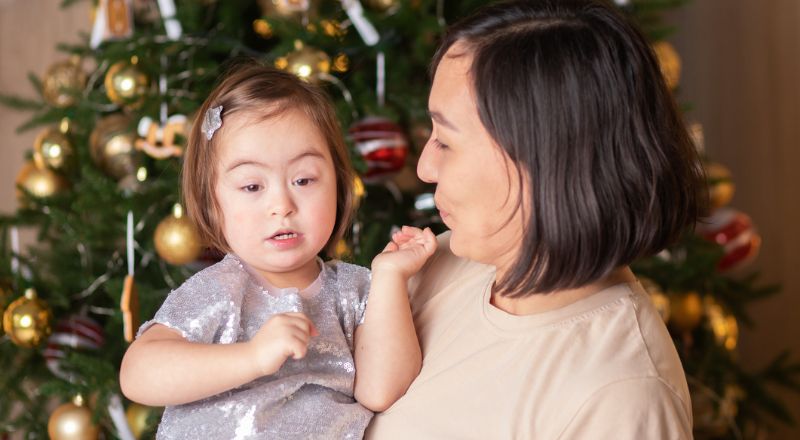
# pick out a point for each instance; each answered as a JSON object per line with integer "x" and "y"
{"x": 741, "y": 62}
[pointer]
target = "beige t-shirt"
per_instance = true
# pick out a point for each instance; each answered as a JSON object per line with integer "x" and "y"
{"x": 601, "y": 368}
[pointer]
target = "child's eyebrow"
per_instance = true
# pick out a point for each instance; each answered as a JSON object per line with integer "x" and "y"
{"x": 303, "y": 155}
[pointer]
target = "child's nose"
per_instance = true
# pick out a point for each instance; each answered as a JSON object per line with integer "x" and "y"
{"x": 282, "y": 203}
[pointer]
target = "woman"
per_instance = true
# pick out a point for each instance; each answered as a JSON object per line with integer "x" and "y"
{"x": 559, "y": 158}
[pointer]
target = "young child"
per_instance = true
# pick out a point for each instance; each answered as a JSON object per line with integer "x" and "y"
{"x": 272, "y": 342}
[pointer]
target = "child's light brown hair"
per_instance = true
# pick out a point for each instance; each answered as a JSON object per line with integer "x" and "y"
{"x": 264, "y": 92}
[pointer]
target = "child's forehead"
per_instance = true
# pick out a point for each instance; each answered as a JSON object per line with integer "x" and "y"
{"x": 278, "y": 139}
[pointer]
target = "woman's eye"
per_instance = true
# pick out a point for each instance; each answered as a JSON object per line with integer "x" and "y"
{"x": 438, "y": 144}
{"x": 303, "y": 181}
{"x": 251, "y": 188}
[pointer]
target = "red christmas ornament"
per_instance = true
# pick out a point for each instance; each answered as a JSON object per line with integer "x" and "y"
{"x": 76, "y": 333}
{"x": 734, "y": 231}
{"x": 383, "y": 145}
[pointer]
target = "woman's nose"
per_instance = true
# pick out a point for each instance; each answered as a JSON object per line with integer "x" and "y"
{"x": 427, "y": 164}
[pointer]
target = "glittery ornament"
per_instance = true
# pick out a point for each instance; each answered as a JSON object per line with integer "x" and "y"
{"x": 686, "y": 311}
{"x": 307, "y": 62}
{"x": 41, "y": 183}
{"x": 723, "y": 325}
{"x": 63, "y": 83}
{"x": 27, "y": 320}
{"x": 382, "y": 144}
{"x": 126, "y": 84}
{"x": 141, "y": 418}
{"x": 296, "y": 10}
{"x": 669, "y": 61}
{"x": 78, "y": 333}
{"x": 720, "y": 185}
{"x": 52, "y": 149}
{"x": 176, "y": 239}
{"x": 734, "y": 231}
{"x": 72, "y": 421}
{"x": 112, "y": 146}
{"x": 657, "y": 296}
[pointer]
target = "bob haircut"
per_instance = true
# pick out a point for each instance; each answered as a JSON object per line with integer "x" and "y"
{"x": 261, "y": 92}
{"x": 573, "y": 93}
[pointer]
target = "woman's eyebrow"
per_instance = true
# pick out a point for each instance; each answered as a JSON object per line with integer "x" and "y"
{"x": 440, "y": 119}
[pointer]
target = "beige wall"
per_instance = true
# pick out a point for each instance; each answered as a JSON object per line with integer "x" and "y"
{"x": 741, "y": 62}
{"x": 741, "y": 67}
{"x": 29, "y": 32}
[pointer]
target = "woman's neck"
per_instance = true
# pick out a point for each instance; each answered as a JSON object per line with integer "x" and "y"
{"x": 539, "y": 303}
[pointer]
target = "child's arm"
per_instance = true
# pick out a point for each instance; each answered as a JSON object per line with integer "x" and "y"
{"x": 162, "y": 368}
{"x": 387, "y": 353}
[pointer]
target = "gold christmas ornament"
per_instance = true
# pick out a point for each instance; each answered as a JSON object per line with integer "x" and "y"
{"x": 138, "y": 417}
{"x": 686, "y": 311}
{"x": 63, "y": 82}
{"x": 52, "y": 149}
{"x": 720, "y": 185}
{"x": 41, "y": 183}
{"x": 669, "y": 61}
{"x": 176, "y": 238}
{"x": 342, "y": 250}
{"x": 381, "y": 5}
{"x": 297, "y": 10}
{"x": 72, "y": 421}
{"x": 722, "y": 323}
{"x": 657, "y": 296}
{"x": 126, "y": 85}
{"x": 340, "y": 63}
{"x": 333, "y": 28}
{"x": 112, "y": 146}
{"x": 262, "y": 28}
{"x": 5, "y": 295}
{"x": 27, "y": 320}
{"x": 306, "y": 62}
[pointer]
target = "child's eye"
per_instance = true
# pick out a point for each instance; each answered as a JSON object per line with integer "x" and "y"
{"x": 251, "y": 188}
{"x": 303, "y": 181}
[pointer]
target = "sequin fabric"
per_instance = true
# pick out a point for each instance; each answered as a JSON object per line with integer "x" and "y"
{"x": 309, "y": 398}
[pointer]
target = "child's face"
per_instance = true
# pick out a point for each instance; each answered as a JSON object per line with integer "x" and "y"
{"x": 276, "y": 187}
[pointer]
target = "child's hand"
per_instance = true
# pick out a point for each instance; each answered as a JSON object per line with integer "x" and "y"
{"x": 282, "y": 336}
{"x": 407, "y": 252}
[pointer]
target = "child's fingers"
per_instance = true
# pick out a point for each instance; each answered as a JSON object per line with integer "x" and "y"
{"x": 429, "y": 240}
{"x": 302, "y": 322}
{"x": 391, "y": 247}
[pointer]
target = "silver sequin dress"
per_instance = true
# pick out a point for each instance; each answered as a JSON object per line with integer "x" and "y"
{"x": 309, "y": 398}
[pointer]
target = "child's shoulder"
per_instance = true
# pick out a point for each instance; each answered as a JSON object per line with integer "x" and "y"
{"x": 346, "y": 273}
{"x": 226, "y": 272}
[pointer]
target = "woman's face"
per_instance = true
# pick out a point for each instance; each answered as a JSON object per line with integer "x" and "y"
{"x": 477, "y": 185}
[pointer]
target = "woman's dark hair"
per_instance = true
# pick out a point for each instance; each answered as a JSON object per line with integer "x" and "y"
{"x": 574, "y": 94}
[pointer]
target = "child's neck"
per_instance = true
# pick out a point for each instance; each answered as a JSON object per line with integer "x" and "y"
{"x": 299, "y": 278}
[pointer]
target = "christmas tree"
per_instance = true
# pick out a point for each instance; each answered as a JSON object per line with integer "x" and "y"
{"x": 101, "y": 190}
